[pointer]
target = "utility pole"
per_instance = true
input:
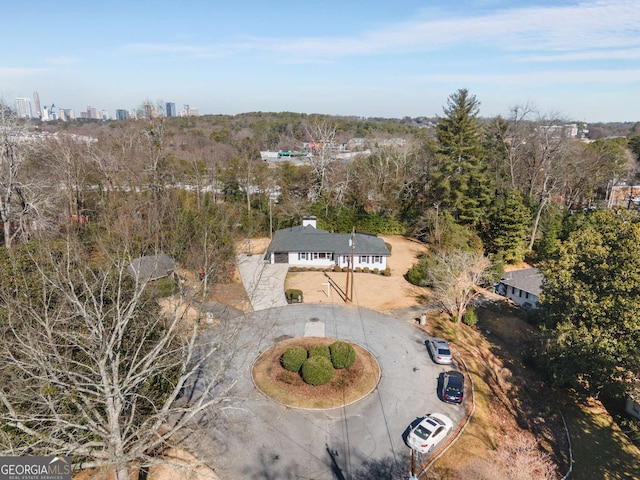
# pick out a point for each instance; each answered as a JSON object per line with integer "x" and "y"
{"x": 273, "y": 197}
{"x": 349, "y": 297}
{"x": 353, "y": 248}
{"x": 413, "y": 465}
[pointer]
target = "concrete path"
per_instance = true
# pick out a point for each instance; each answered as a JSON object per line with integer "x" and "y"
{"x": 264, "y": 282}
{"x": 255, "y": 437}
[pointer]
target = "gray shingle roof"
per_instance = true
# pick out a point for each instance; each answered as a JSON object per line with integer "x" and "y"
{"x": 152, "y": 267}
{"x": 310, "y": 239}
{"x": 528, "y": 279}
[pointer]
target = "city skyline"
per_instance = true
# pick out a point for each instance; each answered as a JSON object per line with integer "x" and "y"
{"x": 579, "y": 60}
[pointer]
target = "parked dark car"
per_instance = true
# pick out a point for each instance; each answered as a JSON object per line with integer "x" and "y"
{"x": 453, "y": 387}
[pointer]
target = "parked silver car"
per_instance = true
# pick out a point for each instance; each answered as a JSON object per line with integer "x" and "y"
{"x": 439, "y": 350}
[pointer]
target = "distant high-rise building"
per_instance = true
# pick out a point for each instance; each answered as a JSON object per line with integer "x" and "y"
{"x": 91, "y": 112}
{"x": 171, "y": 109}
{"x": 36, "y": 104}
{"x": 66, "y": 114}
{"x": 23, "y": 108}
{"x": 121, "y": 114}
{"x": 189, "y": 111}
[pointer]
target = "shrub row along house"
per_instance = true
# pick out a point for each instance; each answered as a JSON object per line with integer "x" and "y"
{"x": 308, "y": 246}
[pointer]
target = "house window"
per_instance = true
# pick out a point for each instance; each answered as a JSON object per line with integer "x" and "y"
{"x": 376, "y": 259}
{"x": 520, "y": 294}
{"x": 303, "y": 256}
{"x": 513, "y": 290}
{"x": 526, "y": 295}
{"x": 345, "y": 259}
{"x": 315, "y": 255}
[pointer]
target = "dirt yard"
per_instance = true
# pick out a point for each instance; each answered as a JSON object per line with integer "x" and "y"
{"x": 376, "y": 292}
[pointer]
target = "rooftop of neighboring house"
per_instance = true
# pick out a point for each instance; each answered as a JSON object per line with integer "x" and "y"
{"x": 527, "y": 279}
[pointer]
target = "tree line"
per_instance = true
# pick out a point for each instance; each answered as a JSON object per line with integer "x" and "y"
{"x": 76, "y": 207}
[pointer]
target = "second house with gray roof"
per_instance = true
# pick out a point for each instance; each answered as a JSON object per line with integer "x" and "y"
{"x": 308, "y": 246}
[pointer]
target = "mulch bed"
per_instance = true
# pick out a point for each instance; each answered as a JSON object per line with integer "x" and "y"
{"x": 346, "y": 386}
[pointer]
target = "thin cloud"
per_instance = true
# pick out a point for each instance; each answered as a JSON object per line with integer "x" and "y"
{"x": 62, "y": 61}
{"x": 600, "y": 24}
{"x": 626, "y": 54}
{"x": 580, "y": 27}
{"x": 540, "y": 78}
{"x": 13, "y": 73}
{"x": 194, "y": 51}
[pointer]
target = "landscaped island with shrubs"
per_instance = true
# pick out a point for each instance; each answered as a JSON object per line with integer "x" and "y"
{"x": 316, "y": 372}
{"x": 317, "y": 364}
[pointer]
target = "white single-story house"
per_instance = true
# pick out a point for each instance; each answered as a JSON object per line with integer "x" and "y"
{"x": 308, "y": 246}
{"x": 522, "y": 286}
{"x": 633, "y": 402}
{"x": 633, "y": 407}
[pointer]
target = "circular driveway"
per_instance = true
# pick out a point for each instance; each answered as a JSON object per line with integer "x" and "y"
{"x": 255, "y": 437}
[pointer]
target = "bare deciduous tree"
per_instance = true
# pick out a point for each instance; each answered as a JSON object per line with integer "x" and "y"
{"x": 518, "y": 457}
{"x": 454, "y": 278}
{"x": 91, "y": 366}
{"x": 322, "y": 135}
{"x": 22, "y": 202}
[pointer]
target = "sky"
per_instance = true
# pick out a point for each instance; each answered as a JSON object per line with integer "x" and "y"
{"x": 576, "y": 60}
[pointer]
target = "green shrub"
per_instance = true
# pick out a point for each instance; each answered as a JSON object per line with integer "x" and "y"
{"x": 317, "y": 370}
{"x": 293, "y": 295}
{"x": 319, "y": 350}
{"x": 293, "y": 358}
{"x": 365, "y": 270}
{"x": 386, "y": 272}
{"x": 470, "y": 317}
{"x": 343, "y": 354}
{"x": 376, "y": 270}
{"x": 388, "y": 246}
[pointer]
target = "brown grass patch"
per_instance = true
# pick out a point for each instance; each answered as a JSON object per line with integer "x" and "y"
{"x": 347, "y": 386}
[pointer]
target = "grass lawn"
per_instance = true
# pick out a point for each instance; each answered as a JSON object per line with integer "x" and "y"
{"x": 600, "y": 449}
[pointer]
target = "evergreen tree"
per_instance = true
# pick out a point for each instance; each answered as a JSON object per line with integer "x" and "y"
{"x": 591, "y": 303}
{"x": 462, "y": 180}
{"x": 509, "y": 227}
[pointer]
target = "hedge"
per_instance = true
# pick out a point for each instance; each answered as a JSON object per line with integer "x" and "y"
{"x": 343, "y": 354}
{"x": 293, "y": 358}
{"x": 317, "y": 370}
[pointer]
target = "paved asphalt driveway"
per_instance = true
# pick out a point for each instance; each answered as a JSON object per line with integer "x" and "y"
{"x": 258, "y": 438}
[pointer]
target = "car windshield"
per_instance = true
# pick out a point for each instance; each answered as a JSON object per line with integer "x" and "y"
{"x": 443, "y": 351}
{"x": 453, "y": 389}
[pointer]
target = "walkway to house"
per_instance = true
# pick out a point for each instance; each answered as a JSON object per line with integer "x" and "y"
{"x": 264, "y": 282}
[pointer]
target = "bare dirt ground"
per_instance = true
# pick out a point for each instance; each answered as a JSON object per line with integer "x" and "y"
{"x": 376, "y": 292}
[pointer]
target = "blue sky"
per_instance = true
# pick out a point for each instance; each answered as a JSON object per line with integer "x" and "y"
{"x": 576, "y": 59}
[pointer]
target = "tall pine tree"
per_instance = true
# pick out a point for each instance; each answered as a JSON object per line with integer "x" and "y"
{"x": 462, "y": 181}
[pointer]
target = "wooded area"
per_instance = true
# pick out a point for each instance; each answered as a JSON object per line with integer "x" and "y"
{"x": 80, "y": 200}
